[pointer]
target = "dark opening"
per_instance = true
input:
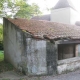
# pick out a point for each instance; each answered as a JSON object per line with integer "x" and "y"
{"x": 51, "y": 58}
{"x": 66, "y": 51}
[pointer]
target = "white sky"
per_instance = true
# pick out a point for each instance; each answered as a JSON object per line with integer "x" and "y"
{"x": 43, "y": 4}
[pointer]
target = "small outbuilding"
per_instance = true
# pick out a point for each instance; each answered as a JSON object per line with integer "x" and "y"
{"x": 41, "y": 47}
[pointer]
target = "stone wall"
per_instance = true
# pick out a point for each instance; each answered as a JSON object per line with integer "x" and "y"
{"x": 13, "y": 43}
{"x": 67, "y": 65}
{"x": 36, "y": 56}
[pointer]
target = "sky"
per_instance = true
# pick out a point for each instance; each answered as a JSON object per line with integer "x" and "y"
{"x": 44, "y": 4}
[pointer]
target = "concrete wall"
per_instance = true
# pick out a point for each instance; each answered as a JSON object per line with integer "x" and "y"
{"x": 41, "y": 57}
{"x": 61, "y": 15}
{"x": 36, "y": 56}
{"x": 74, "y": 16}
{"x": 24, "y": 53}
{"x": 65, "y": 15}
{"x": 67, "y": 65}
{"x": 52, "y": 57}
{"x": 13, "y": 43}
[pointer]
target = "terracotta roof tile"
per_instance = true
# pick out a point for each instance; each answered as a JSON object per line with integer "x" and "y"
{"x": 51, "y": 30}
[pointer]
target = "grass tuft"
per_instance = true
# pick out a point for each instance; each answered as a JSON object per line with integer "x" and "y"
{"x": 4, "y": 66}
{"x": 1, "y": 55}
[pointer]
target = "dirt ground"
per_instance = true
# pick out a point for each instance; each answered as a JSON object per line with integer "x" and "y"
{"x": 12, "y": 75}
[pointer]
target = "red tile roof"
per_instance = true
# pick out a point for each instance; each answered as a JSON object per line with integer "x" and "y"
{"x": 50, "y": 30}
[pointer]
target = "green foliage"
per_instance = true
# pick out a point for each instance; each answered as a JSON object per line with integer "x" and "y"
{"x": 1, "y": 33}
{"x": 36, "y": 10}
{"x": 4, "y": 66}
{"x": 27, "y": 11}
{"x": 1, "y": 56}
{"x": 24, "y": 9}
{"x": 1, "y": 37}
{"x": 18, "y": 8}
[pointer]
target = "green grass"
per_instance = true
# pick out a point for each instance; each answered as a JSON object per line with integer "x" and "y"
{"x": 1, "y": 51}
{"x": 4, "y": 66}
{"x": 1, "y": 55}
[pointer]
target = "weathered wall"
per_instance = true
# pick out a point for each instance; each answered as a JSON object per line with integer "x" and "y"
{"x": 65, "y": 15}
{"x": 52, "y": 57}
{"x": 41, "y": 57}
{"x": 36, "y": 56}
{"x": 13, "y": 43}
{"x": 67, "y": 65}
{"x": 25, "y": 53}
{"x": 61, "y": 15}
{"x": 74, "y": 16}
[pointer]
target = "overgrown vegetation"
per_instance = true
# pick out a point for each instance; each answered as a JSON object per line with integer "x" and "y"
{"x": 1, "y": 56}
{"x": 1, "y": 37}
{"x": 18, "y": 8}
{"x": 4, "y": 66}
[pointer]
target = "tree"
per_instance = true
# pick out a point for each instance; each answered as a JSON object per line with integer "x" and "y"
{"x": 18, "y": 8}
{"x": 26, "y": 10}
{"x": 35, "y": 9}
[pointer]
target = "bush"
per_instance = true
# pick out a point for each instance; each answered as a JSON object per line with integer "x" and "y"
{"x": 1, "y": 45}
{"x": 1, "y": 37}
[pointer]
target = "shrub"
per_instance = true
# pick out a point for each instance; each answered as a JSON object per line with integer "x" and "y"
{"x": 1, "y": 45}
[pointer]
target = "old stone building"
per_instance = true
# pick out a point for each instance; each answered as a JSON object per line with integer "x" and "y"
{"x": 41, "y": 47}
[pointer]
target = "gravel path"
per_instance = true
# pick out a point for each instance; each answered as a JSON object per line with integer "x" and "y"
{"x": 12, "y": 75}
